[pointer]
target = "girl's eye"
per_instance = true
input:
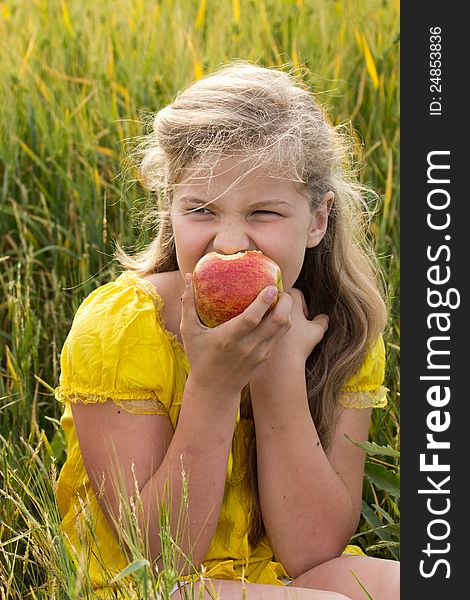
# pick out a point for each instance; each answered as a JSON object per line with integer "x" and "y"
{"x": 265, "y": 212}
{"x": 203, "y": 210}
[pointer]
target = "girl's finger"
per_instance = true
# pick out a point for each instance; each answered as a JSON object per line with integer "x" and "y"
{"x": 278, "y": 321}
{"x": 189, "y": 317}
{"x": 252, "y": 316}
{"x": 320, "y": 326}
{"x": 274, "y": 324}
{"x": 299, "y": 299}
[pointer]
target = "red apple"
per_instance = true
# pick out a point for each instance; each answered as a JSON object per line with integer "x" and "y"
{"x": 224, "y": 285}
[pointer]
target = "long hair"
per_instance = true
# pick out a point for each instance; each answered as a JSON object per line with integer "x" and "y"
{"x": 269, "y": 117}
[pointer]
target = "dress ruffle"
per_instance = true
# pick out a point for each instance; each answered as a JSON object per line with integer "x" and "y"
{"x": 365, "y": 399}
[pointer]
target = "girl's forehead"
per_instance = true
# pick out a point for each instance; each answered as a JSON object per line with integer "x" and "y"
{"x": 264, "y": 189}
{"x": 234, "y": 172}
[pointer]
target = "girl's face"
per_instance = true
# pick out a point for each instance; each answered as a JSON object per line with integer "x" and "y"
{"x": 259, "y": 212}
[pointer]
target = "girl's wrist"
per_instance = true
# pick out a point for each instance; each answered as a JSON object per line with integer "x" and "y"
{"x": 281, "y": 364}
{"x": 278, "y": 372}
{"x": 212, "y": 390}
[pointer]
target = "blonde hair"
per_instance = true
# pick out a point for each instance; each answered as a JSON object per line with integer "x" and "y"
{"x": 269, "y": 117}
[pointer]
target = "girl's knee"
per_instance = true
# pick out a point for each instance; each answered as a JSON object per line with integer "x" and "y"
{"x": 234, "y": 590}
{"x": 350, "y": 574}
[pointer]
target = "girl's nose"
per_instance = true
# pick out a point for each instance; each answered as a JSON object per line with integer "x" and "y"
{"x": 232, "y": 239}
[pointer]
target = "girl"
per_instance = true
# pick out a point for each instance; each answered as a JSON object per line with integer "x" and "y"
{"x": 244, "y": 424}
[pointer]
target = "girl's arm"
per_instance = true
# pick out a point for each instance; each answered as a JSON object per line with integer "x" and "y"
{"x": 222, "y": 361}
{"x": 310, "y": 500}
{"x": 199, "y": 446}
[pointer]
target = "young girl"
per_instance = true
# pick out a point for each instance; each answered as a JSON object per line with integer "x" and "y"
{"x": 243, "y": 424}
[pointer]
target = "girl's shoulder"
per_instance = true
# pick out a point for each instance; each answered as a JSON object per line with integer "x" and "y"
{"x": 129, "y": 294}
{"x": 131, "y": 304}
{"x": 365, "y": 388}
{"x": 127, "y": 290}
{"x": 118, "y": 345}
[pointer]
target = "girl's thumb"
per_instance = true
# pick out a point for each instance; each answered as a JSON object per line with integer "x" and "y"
{"x": 188, "y": 295}
{"x": 188, "y": 312}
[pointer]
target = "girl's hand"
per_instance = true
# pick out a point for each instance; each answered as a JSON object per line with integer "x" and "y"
{"x": 302, "y": 337}
{"x": 226, "y": 357}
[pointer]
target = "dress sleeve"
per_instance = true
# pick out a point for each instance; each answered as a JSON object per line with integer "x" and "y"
{"x": 365, "y": 389}
{"x": 117, "y": 349}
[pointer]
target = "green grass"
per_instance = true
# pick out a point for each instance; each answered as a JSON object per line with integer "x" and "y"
{"x": 76, "y": 79}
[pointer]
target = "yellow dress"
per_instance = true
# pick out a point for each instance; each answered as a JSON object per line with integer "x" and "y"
{"x": 119, "y": 349}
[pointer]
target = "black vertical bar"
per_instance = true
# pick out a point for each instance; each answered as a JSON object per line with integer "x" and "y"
{"x": 435, "y": 368}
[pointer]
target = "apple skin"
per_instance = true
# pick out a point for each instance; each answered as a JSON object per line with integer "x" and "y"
{"x": 224, "y": 285}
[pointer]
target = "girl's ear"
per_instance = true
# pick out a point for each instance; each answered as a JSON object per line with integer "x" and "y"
{"x": 319, "y": 221}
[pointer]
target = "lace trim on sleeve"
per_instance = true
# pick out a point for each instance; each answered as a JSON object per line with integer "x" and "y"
{"x": 150, "y": 406}
{"x": 365, "y": 398}
{"x": 137, "y": 403}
